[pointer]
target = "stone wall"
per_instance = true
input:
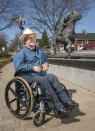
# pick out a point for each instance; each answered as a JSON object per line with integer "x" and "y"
{"x": 85, "y": 78}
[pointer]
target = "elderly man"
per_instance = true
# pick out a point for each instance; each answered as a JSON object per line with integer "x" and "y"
{"x": 32, "y": 60}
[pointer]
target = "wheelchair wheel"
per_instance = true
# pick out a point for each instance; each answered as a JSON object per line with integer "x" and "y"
{"x": 19, "y": 97}
{"x": 39, "y": 118}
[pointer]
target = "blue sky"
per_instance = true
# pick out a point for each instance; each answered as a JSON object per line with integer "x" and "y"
{"x": 87, "y": 23}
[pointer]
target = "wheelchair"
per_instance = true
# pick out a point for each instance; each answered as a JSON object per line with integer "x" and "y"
{"x": 22, "y": 98}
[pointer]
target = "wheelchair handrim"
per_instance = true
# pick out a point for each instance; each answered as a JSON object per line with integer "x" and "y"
{"x": 30, "y": 97}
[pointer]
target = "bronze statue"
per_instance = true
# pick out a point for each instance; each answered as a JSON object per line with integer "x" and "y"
{"x": 66, "y": 34}
{"x": 64, "y": 23}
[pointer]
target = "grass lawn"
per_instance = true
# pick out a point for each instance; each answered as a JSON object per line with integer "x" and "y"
{"x": 4, "y": 61}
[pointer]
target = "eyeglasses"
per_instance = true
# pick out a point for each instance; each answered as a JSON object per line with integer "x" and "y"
{"x": 31, "y": 38}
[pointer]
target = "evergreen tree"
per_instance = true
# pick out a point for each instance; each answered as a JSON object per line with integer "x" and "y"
{"x": 44, "y": 42}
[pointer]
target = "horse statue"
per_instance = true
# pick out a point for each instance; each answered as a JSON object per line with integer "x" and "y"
{"x": 66, "y": 34}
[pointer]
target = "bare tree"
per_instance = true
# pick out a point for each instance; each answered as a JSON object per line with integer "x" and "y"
{"x": 49, "y": 13}
{"x": 9, "y": 10}
{"x": 15, "y": 44}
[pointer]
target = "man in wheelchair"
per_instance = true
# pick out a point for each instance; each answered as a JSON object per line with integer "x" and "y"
{"x": 34, "y": 63}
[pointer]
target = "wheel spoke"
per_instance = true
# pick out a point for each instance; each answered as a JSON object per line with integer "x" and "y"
{"x": 21, "y": 94}
{"x": 13, "y": 100}
{"x": 13, "y": 92}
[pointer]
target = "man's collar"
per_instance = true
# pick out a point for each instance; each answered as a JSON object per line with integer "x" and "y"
{"x": 36, "y": 49}
{"x": 30, "y": 47}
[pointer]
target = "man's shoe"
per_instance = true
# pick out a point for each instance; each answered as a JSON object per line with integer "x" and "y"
{"x": 62, "y": 112}
{"x": 71, "y": 104}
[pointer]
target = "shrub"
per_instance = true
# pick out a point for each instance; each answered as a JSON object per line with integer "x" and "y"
{"x": 5, "y": 54}
{"x": 52, "y": 55}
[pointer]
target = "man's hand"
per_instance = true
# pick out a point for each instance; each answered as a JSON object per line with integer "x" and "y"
{"x": 37, "y": 69}
{"x": 45, "y": 67}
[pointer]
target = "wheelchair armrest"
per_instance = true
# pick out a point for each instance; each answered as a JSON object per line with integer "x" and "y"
{"x": 17, "y": 73}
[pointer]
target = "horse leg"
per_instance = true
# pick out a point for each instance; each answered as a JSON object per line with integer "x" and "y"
{"x": 74, "y": 45}
{"x": 65, "y": 45}
{"x": 68, "y": 47}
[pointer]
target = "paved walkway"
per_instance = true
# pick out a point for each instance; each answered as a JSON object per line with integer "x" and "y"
{"x": 82, "y": 119}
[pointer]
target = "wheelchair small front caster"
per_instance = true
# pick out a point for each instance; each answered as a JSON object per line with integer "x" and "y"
{"x": 39, "y": 118}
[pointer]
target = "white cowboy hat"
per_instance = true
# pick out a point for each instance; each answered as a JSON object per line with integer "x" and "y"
{"x": 26, "y": 33}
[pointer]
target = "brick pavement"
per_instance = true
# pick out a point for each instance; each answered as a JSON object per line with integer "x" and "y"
{"x": 81, "y": 119}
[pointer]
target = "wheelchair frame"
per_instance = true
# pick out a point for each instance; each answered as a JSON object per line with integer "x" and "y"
{"x": 28, "y": 96}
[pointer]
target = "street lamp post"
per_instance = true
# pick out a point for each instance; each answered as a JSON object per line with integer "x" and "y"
{"x": 10, "y": 46}
{"x": 21, "y": 22}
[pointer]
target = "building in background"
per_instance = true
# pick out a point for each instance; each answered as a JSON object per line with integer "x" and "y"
{"x": 85, "y": 41}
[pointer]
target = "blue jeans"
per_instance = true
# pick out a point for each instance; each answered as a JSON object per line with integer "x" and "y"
{"x": 50, "y": 83}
